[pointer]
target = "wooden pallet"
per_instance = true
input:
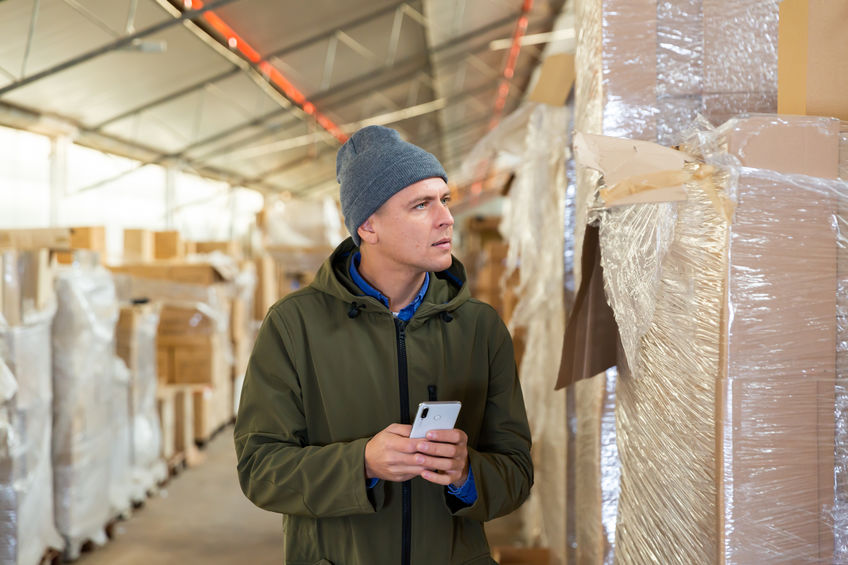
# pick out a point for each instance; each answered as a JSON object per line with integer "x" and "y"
{"x": 51, "y": 557}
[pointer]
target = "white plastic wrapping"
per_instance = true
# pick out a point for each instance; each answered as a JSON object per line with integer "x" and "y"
{"x": 731, "y": 428}
{"x": 83, "y": 340}
{"x": 534, "y": 140}
{"x": 120, "y": 474}
{"x": 533, "y": 214}
{"x": 26, "y": 471}
{"x": 148, "y": 469}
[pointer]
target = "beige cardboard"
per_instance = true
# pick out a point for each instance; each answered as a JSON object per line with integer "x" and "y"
{"x": 556, "y": 78}
{"x": 790, "y": 145}
{"x": 138, "y": 245}
{"x": 778, "y": 395}
{"x": 813, "y": 58}
{"x": 167, "y": 245}
{"x": 50, "y": 238}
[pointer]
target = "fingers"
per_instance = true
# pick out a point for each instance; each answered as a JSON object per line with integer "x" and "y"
{"x": 448, "y": 436}
{"x": 399, "y": 429}
{"x": 439, "y": 463}
{"x": 438, "y": 449}
{"x": 443, "y": 479}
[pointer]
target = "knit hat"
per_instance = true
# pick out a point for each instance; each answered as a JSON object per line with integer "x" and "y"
{"x": 375, "y": 164}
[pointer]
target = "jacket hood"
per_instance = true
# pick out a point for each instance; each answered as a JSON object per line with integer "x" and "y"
{"x": 447, "y": 291}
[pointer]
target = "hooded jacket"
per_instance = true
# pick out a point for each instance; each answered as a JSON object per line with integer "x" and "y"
{"x": 329, "y": 370}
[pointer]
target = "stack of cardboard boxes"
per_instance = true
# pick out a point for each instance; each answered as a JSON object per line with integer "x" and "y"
{"x": 733, "y": 377}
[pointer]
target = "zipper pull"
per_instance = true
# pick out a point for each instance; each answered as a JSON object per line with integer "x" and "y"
{"x": 431, "y": 393}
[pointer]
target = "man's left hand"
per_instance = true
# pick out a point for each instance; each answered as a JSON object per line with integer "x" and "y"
{"x": 445, "y": 454}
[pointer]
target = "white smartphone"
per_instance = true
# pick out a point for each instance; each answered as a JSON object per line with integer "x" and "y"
{"x": 435, "y": 415}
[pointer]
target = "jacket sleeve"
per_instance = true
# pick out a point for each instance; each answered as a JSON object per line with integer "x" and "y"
{"x": 501, "y": 463}
{"x": 277, "y": 468}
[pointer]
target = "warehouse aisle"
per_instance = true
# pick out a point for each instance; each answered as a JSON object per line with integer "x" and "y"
{"x": 201, "y": 517}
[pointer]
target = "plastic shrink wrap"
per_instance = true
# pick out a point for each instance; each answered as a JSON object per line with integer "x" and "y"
{"x": 27, "y": 527}
{"x": 731, "y": 422}
{"x": 537, "y": 137}
{"x": 120, "y": 475}
{"x": 83, "y": 377}
{"x": 646, "y": 70}
{"x": 136, "y": 333}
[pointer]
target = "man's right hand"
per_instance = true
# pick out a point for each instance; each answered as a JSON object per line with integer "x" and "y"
{"x": 390, "y": 455}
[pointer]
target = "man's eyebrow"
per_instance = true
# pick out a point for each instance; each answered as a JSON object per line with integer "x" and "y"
{"x": 421, "y": 199}
{"x": 428, "y": 198}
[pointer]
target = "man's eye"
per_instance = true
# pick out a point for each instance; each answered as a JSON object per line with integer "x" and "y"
{"x": 420, "y": 205}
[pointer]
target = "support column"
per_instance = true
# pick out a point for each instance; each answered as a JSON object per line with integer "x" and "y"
{"x": 58, "y": 175}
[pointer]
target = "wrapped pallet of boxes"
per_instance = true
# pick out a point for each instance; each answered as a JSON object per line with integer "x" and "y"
{"x": 83, "y": 386}
{"x": 730, "y": 305}
{"x": 647, "y": 70}
{"x": 27, "y": 528}
{"x": 194, "y": 345}
{"x": 136, "y": 344}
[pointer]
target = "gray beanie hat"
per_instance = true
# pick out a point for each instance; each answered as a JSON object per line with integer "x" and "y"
{"x": 375, "y": 164}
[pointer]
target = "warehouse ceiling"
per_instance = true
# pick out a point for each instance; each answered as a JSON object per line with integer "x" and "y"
{"x": 260, "y": 93}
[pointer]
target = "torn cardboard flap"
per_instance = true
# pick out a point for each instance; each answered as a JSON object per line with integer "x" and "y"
{"x": 618, "y": 159}
{"x": 634, "y": 171}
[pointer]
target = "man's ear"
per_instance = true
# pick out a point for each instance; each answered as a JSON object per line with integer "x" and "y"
{"x": 366, "y": 231}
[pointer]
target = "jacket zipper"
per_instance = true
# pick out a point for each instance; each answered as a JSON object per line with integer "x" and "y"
{"x": 431, "y": 393}
{"x": 406, "y": 487}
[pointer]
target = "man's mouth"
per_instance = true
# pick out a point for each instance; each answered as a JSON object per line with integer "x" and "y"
{"x": 443, "y": 243}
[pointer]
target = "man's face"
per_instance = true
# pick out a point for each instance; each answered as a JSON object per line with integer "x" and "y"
{"x": 414, "y": 227}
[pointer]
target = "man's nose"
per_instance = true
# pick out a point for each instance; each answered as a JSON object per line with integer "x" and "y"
{"x": 446, "y": 218}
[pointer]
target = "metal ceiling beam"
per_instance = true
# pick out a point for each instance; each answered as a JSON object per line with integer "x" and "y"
{"x": 236, "y": 69}
{"x": 362, "y": 81}
{"x": 109, "y": 47}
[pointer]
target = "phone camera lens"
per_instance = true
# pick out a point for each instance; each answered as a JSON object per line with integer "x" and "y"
{"x": 424, "y": 412}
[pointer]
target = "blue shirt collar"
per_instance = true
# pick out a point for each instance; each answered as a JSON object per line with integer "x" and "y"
{"x": 405, "y": 314}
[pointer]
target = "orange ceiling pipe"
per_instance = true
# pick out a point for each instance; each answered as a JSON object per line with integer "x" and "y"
{"x": 512, "y": 59}
{"x": 238, "y": 43}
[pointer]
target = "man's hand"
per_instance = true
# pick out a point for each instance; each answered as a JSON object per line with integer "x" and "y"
{"x": 391, "y": 455}
{"x": 444, "y": 457}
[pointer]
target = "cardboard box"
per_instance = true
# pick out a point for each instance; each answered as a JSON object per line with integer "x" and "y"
{"x": 189, "y": 273}
{"x": 167, "y": 245}
{"x": 731, "y": 400}
{"x": 267, "y": 292}
{"x": 48, "y": 238}
{"x": 164, "y": 364}
{"x": 26, "y": 284}
{"x": 203, "y": 363}
{"x": 813, "y": 58}
{"x": 229, "y": 247}
{"x": 212, "y": 410}
{"x": 189, "y": 359}
{"x": 138, "y": 246}
{"x": 777, "y": 399}
{"x": 126, "y": 332}
{"x": 165, "y": 406}
{"x": 556, "y": 77}
{"x": 240, "y": 319}
{"x": 176, "y": 320}
{"x": 93, "y": 238}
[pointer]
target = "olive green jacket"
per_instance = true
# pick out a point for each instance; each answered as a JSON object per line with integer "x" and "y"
{"x": 329, "y": 370}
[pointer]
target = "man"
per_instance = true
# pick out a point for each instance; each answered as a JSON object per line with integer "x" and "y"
{"x": 322, "y": 433}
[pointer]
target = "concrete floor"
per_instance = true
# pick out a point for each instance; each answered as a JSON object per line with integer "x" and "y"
{"x": 201, "y": 517}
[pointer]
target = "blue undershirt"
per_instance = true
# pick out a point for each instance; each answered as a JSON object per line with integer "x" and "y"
{"x": 467, "y": 493}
